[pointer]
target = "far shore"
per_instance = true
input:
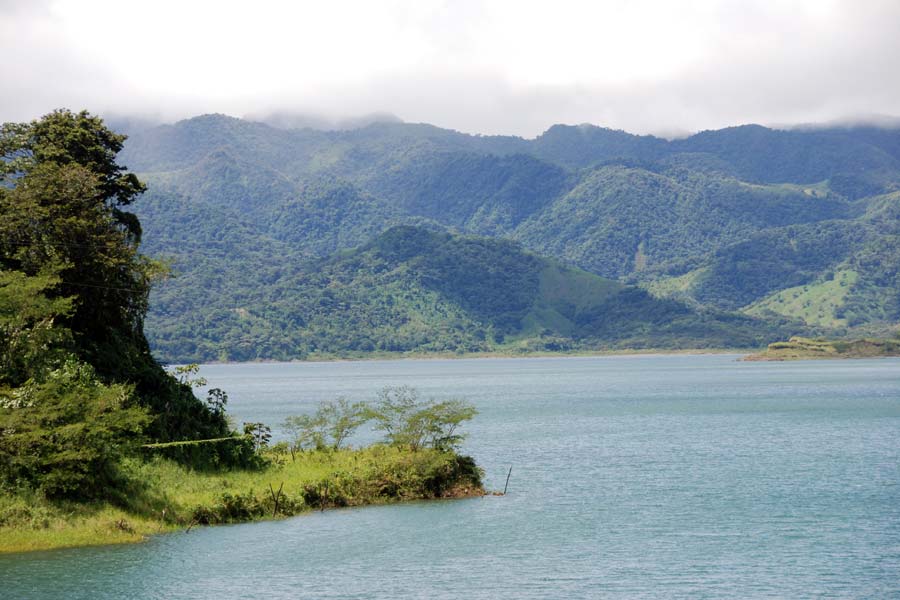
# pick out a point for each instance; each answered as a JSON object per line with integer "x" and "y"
{"x": 375, "y": 356}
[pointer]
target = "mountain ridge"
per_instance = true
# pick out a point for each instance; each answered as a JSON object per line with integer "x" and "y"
{"x": 724, "y": 219}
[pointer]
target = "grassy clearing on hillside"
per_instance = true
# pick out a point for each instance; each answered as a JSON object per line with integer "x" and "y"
{"x": 815, "y": 304}
{"x": 679, "y": 287}
{"x": 812, "y": 190}
{"x": 164, "y": 496}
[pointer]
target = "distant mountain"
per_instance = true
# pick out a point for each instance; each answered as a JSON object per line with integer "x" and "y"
{"x": 736, "y": 219}
{"x": 411, "y": 289}
{"x": 750, "y": 152}
{"x": 301, "y": 120}
{"x": 647, "y": 221}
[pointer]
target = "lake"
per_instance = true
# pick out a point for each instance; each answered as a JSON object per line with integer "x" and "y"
{"x": 632, "y": 476}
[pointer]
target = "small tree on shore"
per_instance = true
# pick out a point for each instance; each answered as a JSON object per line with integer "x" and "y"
{"x": 216, "y": 399}
{"x": 330, "y": 426}
{"x": 408, "y": 421}
{"x": 65, "y": 435}
{"x": 260, "y": 433}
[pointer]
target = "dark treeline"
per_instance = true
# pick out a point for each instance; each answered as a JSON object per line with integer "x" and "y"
{"x": 79, "y": 387}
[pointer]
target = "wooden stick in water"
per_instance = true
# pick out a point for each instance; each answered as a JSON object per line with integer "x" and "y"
{"x": 276, "y": 497}
{"x": 507, "y": 480}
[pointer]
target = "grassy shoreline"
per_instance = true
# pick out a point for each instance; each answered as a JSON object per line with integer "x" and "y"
{"x": 163, "y": 496}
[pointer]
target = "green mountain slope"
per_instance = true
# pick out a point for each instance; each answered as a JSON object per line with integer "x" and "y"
{"x": 485, "y": 194}
{"x": 672, "y": 212}
{"x": 412, "y": 289}
{"x": 739, "y": 218}
{"x": 815, "y": 304}
{"x": 866, "y": 155}
{"x": 621, "y": 220}
{"x": 833, "y": 273}
{"x": 753, "y": 153}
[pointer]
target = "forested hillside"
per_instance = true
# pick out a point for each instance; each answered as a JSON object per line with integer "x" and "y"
{"x": 415, "y": 290}
{"x": 842, "y": 272}
{"x": 79, "y": 389}
{"x": 776, "y": 223}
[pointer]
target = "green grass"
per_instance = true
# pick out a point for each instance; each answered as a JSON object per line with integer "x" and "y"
{"x": 814, "y": 304}
{"x": 561, "y": 293}
{"x": 31, "y": 523}
{"x": 162, "y": 496}
{"x": 675, "y": 287}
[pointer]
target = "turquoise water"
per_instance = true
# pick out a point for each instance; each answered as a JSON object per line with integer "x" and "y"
{"x": 645, "y": 476}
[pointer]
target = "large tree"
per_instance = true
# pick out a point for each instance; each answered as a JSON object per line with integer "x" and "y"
{"x": 61, "y": 199}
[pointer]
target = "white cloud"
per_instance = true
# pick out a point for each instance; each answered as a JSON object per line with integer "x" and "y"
{"x": 498, "y": 66}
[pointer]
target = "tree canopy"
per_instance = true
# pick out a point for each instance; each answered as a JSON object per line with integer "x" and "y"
{"x": 72, "y": 281}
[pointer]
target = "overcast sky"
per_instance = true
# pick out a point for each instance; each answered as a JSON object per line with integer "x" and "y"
{"x": 489, "y": 66}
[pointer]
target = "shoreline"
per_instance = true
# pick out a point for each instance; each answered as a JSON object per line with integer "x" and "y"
{"x": 800, "y": 348}
{"x": 141, "y": 531}
{"x": 167, "y": 497}
{"x": 400, "y": 356}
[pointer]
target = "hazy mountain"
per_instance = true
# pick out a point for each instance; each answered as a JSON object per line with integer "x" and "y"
{"x": 300, "y": 120}
{"x": 726, "y": 219}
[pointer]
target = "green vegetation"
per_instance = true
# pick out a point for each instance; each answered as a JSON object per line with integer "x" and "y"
{"x": 679, "y": 287}
{"x": 329, "y": 427}
{"x": 416, "y": 290}
{"x": 815, "y": 304}
{"x": 97, "y": 442}
{"x": 164, "y": 496}
{"x": 418, "y": 459}
{"x": 798, "y": 348}
{"x": 65, "y": 434}
{"x": 720, "y": 220}
{"x": 812, "y": 256}
{"x": 74, "y": 286}
{"x": 79, "y": 390}
{"x": 670, "y": 217}
{"x": 408, "y": 422}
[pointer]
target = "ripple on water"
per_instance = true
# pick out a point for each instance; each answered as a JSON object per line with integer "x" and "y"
{"x": 633, "y": 477}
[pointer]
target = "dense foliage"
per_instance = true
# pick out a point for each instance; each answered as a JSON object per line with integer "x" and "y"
{"x": 65, "y": 434}
{"x": 721, "y": 219}
{"x": 78, "y": 386}
{"x": 623, "y": 220}
{"x": 413, "y": 289}
{"x": 805, "y": 259}
{"x": 62, "y": 215}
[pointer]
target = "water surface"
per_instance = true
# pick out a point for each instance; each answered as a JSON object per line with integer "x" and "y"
{"x": 633, "y": 476}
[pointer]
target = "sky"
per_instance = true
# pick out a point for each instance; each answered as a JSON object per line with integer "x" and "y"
{"x": 666, "y": 67}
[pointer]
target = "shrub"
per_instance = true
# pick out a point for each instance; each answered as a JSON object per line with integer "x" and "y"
{"x": 65, "y": 435}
